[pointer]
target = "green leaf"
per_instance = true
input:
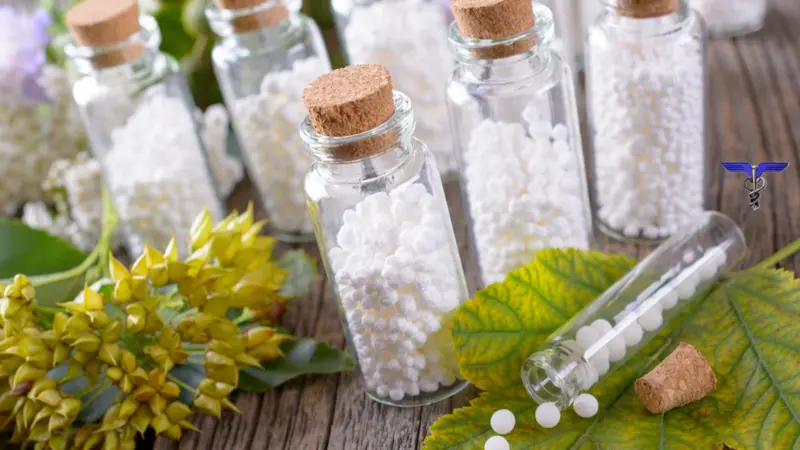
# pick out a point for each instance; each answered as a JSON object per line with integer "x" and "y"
{"x": 301, "y": 273}
{"x": 34, "y": 252}
{"x": 506, "y": 322}
{"x": 746, "y": 327}
{"x": 304, "y": 356}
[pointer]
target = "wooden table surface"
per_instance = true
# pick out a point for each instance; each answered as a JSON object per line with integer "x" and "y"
{"x": 755, "y": 116}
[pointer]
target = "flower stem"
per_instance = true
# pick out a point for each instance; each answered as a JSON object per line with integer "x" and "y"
{"x": 180, "y": 383}
{"x": 780, "y": 255}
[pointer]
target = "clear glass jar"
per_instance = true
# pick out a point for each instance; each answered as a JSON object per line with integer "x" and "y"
{"x": 646, "y": 102}
{"x": 573, "y": 19}
{"x": 139, "y": 115}
{"x": 409, "y": 38}
{"x": 517, "y": 139}
{"x": 605, "y": 334}
{"x": 262, "y": 64}
{"x": 388, "y": 246}
{"x": 732, "y": 18}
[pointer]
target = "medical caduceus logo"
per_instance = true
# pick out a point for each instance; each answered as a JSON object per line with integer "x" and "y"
{"x": 755, "y": 182}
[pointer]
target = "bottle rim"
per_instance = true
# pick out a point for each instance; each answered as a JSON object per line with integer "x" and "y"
{"x": 326, "y": 148}
{"x": 149, "y": 36}
{"x": 222, "y": 19}
{"x": 467, "y": 49}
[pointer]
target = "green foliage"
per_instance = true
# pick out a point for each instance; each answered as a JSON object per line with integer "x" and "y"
{"x": 746, "y": 327}
{"x": 304, "y": 356}
{"x": 302, "y": 271}
{"x": 27, "y": 250}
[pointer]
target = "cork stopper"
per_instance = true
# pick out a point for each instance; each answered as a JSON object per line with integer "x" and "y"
{"x": 647, "y": 9}
{"x": 263, "y": 17}
{"x": 103, "y": 23}
{"x": 350, "y": 101}
{"x": 495, "y": 19}
{"x": 681, "y": 378}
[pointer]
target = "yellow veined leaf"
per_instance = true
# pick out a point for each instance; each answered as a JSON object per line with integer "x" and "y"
{"x": 746, "y": 328}
{"x": 506, "y": 322}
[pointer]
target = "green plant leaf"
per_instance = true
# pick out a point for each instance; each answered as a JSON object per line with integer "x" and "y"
{"x": 34, "y": 252}
{"x": 304, "y": 356}
{"x": 746, "y": 327}
{"x": 302, "y": 271}
{"x": 506, "y": 322}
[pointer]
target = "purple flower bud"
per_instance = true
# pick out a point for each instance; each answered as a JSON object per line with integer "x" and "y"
{"x": 23, "y": 43}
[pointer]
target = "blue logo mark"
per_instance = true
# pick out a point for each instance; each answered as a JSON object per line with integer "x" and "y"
{"x": 755, "y": 182}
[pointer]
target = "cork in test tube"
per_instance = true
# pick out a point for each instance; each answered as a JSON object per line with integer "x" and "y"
{"x": 634, "y": 310}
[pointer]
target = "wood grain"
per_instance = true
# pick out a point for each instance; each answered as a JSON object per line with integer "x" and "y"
{"x": 754, "y": 115}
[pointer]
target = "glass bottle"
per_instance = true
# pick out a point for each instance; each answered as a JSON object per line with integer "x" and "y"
{"x": 646, "y": 99}
{"x": 384, "y": 231}
{"x": 267, "y": 53}
{"x": 139, "y": 115}
{"x": 408, "y": 37}
{"x": 518, "y": 144}
{"x": 605, "y": 334}
{"x": 732, "y": 18}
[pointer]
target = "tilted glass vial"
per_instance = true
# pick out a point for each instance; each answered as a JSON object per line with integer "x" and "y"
{"x": 732, "y": 18}
{"x": 139, "y": 115}
{"x": 267, "y": 54}
{"x": 616, "y": 325}
{"x": 646, "y": 99}
{"x": 517, "y": 137}
{"x": 383, "y": 228}
{"x": 409, "y": 37}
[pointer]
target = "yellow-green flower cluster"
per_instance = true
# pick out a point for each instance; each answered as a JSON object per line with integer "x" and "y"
{"x": 164, "y": 311}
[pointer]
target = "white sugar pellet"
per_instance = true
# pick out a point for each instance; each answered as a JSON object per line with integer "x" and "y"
{"x": 651, "y": 320}
{"x": 721, "y": 258}
{"x": 668, "y": 298}
{"x": 600, "y": 363}
{"x": 616, "y": 349}
{"x": 648, "y": 99}
{"x": 585, "y": 405}
{"x": 601, "y": 326}
{"x": 497, "y": 443}
{"x": 409, "y": 38}
{"x": 586, "y": 337}
{"x": 524, "y": 190}
{"x": 686, "y": 288}
{"x": 503, "y": 421}
{"x": 548, "y": 415}
{"x": 633, "y": 334}
{"x": 397, "y": 303}
{"x": 266, "y": 127}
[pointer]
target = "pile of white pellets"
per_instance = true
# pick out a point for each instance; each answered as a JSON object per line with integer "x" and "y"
{"x": 641, "y": 317}
{"x": 526, "y": 191}
{"x": 647, "y": 118}
{"x": 399, "y": 283}
{"x": 725, "y": 17}
{"x": 266, "y": 125}
{"x": 409, "y": 37}
{"x": 157, "y": 174}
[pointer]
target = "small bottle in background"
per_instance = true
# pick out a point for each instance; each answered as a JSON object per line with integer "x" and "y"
{"x": 731, "y": 18}
{"x": 267, "y": 54}
{"x": 646, "y": 98}
{"x": 515, "y": 125}
{"x": 139, "y": 115}
{"x": 409, "y": 37}
{"x": 384, "y": 232}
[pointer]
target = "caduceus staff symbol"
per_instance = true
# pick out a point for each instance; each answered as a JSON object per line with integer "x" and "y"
{"x": 755, "y": 183}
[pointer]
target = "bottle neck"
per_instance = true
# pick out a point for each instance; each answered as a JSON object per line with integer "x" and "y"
{"x": 664, "y": 18}
{"x": 368, "y": 155}
{"x": 268, "y": 26}
{"x": 552, "y": 376}
{"x": 514, "y": 57}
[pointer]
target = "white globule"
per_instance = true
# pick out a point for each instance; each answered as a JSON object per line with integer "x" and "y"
{"x": 647, "y": 103}
{"x": 548, "y": 415}
{"x": 157, "y": 174}
{"x": 585, "y": 405}
{"x": 496, "y": 443}
{"x": 227, "y": 169}
{"x": 399, "y": 284}
{"x": 651, "y": 320}
{"x": 525, "y": 190}
{"x": 724, "y": 17}
{"x": 266, "y": 125}
{"x": 409, "y": 38}
{"x": 503, "y": 421}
